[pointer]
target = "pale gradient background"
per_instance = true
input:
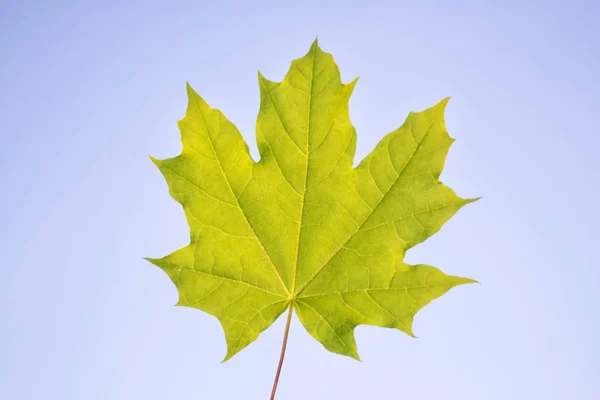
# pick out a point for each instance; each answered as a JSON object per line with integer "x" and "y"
{"x": 89, "y": 89}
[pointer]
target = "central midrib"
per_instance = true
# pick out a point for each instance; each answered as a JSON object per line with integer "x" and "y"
{"x": 310, "y": 97}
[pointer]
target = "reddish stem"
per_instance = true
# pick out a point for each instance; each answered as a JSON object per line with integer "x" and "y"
{"x": 283, "y": 346}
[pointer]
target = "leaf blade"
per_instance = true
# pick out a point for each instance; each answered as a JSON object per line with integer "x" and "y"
{"x": 302, "y": 226}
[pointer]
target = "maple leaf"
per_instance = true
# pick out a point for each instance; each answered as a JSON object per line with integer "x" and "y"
{"x": 302, "y": 229}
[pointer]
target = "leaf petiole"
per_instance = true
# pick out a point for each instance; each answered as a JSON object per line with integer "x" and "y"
{"x": 283, "y": 346}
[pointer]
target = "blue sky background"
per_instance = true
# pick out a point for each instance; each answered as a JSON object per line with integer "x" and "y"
{"x": 89, "y": 89}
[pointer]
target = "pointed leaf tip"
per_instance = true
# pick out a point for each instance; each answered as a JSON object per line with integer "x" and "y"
{"x": 155, "y": 161}
{"x": 464, "y": 281}
{"x": 443, "y": 103}
{"x": 153, "y": 261}
{"x": 314, "y": 47}
{"x": 353, "y": 82}
{"x": 189, "y": 89}
{"x": 227, "y": 357}
{"x": 473, "y": 200}
{"x": 193, "y": 96}
{"x": 262, "y": 78}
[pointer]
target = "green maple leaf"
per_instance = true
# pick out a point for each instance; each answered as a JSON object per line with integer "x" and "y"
{"x": 302, "y": 229}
